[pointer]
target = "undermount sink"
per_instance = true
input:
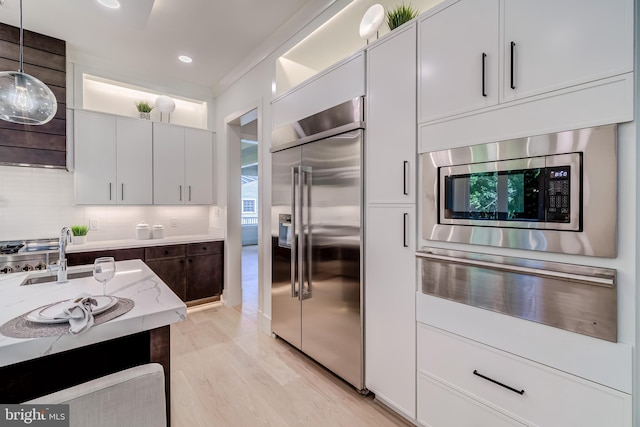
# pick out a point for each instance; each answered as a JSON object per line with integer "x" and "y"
{"x": 53, "y": 278}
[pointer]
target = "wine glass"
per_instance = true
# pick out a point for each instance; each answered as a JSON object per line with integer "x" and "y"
{"x": 104, "y": 269}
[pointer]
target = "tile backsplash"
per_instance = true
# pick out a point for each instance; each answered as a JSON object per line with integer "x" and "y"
{"x": 37, "y": 203}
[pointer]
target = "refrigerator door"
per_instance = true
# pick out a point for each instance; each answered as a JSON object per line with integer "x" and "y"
{"x": 286, "y": 317}
{"x": 331, "y": 220}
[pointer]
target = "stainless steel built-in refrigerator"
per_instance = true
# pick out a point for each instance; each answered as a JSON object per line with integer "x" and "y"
{"x": 316, "y": 238}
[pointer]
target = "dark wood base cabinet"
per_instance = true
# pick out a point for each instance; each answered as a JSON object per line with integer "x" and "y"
{"x": 193, "y": 271}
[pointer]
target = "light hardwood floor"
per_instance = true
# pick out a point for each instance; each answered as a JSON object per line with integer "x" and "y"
{"x": 226, "y": 373}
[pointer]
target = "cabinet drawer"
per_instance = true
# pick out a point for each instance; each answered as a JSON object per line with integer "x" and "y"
{"x": 549, "y": 397}
{"x": 83, "y": 258}
{"x": 442, "y": 406}
{"x": 160, "y": 252}
{"x": 204, "y": 248}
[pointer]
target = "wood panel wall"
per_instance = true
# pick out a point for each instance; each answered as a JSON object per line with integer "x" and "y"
{"x": 45, "y": 59}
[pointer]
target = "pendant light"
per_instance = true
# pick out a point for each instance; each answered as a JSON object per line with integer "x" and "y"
{"x": 23, "y": 98}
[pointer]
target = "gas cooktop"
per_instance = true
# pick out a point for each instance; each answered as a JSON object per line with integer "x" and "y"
{"x": 11, "y": 247}
{"x": 27, "y": 255}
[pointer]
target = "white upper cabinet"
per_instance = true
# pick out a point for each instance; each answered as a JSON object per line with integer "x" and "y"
{"x": 458, "y": 59}
{"x": 134, "y": 170}
{"x": 391, "y": 119}
{"x": 95, "y": 158}
{"x": 168, "y": 164}
{"x": 199, "y": 166}
{"x": 183, "y": 165}
{"x": 554, "y": 44}
{"x": 112, "y": 159}
{"x": 479, "y": 53}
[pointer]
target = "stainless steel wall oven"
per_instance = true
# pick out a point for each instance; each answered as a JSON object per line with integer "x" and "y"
{"x": 555, "y": 192}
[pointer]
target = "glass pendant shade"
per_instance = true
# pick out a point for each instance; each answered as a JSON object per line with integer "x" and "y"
{"x": 25, "y": 99}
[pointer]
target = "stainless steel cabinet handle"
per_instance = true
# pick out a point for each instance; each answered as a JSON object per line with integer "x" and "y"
{"x": 608, "y": 281}
{"x": 405, "y": 171}
{"x": 180, "y": 192}
{"x": 406, "y": 231}
{"x": 189, "y": 193}
{"x": 122, "y": 191}
{"x": 513, "y": 53}
{"x": 110, "y": 192}
{"x": 484, "y": 59}
{"x": 304, "y": 233}
{"x": 294, "y": 240}
{"x": 520, "y": 392}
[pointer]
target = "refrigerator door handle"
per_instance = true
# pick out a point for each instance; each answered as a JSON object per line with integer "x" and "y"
{"x": 304, "y": 233}
{"x": 294, "y": 243}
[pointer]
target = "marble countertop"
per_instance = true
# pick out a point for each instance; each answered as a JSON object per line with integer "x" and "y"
{"x": 133, "y": 243}
{"x": 155, "y": 306}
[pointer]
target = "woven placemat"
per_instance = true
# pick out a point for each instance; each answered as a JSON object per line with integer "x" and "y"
{"x": 20, "y": 327}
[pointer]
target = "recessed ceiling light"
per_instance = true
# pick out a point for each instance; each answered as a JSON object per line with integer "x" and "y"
{"x": 185, "y": 58}
{"x": 111, "y": 4}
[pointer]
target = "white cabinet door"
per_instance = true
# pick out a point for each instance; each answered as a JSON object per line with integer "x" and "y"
{"x": 390, "y": 321}
{"x": 199, "y": 167}
{"x": 168, "y": 164}
{"x": 564, "y": 43}
{"x": 390, "y": 150}
{"x": 95, "y": 158}
{"x": 457, "y": 47}
{"x": 134, "y": 161}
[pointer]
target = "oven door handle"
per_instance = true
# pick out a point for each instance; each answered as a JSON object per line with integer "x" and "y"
{"x": 604, "y": 281}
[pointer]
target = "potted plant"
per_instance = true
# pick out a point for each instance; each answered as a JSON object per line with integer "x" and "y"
{"x": 144, "y": 108}
{"x": 79, "y": 234}
{"x": 400, "y": 14}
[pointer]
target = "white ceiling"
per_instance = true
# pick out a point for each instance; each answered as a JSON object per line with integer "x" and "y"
{"x": 145, "y": 37}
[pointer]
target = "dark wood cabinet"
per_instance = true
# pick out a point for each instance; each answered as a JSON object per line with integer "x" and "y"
{"x": 193, "y": 271}
{"x": 83, "y": 258}
{"x": 204, "y": 270}
{"x": 169, "y": 263}
{"x": 173, "y": 272}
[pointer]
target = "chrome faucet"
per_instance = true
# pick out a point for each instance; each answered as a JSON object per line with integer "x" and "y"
{"x": 61, "y": 268}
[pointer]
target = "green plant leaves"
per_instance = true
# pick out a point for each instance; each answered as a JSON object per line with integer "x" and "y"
{"x": 79, "y": 230}
{"x": 401, "y": 14}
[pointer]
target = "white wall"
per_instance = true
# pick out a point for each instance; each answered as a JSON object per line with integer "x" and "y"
{"x": 37, "y": 203}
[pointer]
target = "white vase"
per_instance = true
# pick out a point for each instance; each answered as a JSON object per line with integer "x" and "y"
{"x": 146, "y": 116}
{"x": 79, "y": 240}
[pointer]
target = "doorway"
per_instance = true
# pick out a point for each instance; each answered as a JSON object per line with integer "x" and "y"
{"x": 250, "y": 202}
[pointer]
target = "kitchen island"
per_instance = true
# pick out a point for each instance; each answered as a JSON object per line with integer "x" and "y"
{"x": 37, "y": 366}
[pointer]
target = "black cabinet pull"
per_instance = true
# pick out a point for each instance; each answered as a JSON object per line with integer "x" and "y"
{"x": 405, "y": 178}
{"x": 484, "y": 60}
{"x": 190, "y": 260}
{"x": 405, "y": 237}
{"x": 181, "y": 261}
{"x": 204, "y": 248}
{"x": 166, "y": 252}
{"x": 520, "y": 392}
{"x": 513, "y": 51}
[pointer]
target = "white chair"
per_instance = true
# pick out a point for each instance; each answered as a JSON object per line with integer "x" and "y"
{"x": 133, "y": 397}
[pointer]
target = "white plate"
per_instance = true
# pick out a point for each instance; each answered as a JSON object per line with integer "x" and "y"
{"x": 371, "y": 21}
{"x": 48, "y": 314}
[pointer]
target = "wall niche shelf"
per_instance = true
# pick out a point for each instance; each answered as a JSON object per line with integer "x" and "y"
{"x": 335, "y": 40}
{"x": 112, "y": 97}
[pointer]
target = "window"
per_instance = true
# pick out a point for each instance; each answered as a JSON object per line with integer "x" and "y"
{"x": 248, "y": 205}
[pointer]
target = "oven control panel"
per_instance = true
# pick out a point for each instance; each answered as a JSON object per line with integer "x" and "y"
{"x": 558, "y": 193}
